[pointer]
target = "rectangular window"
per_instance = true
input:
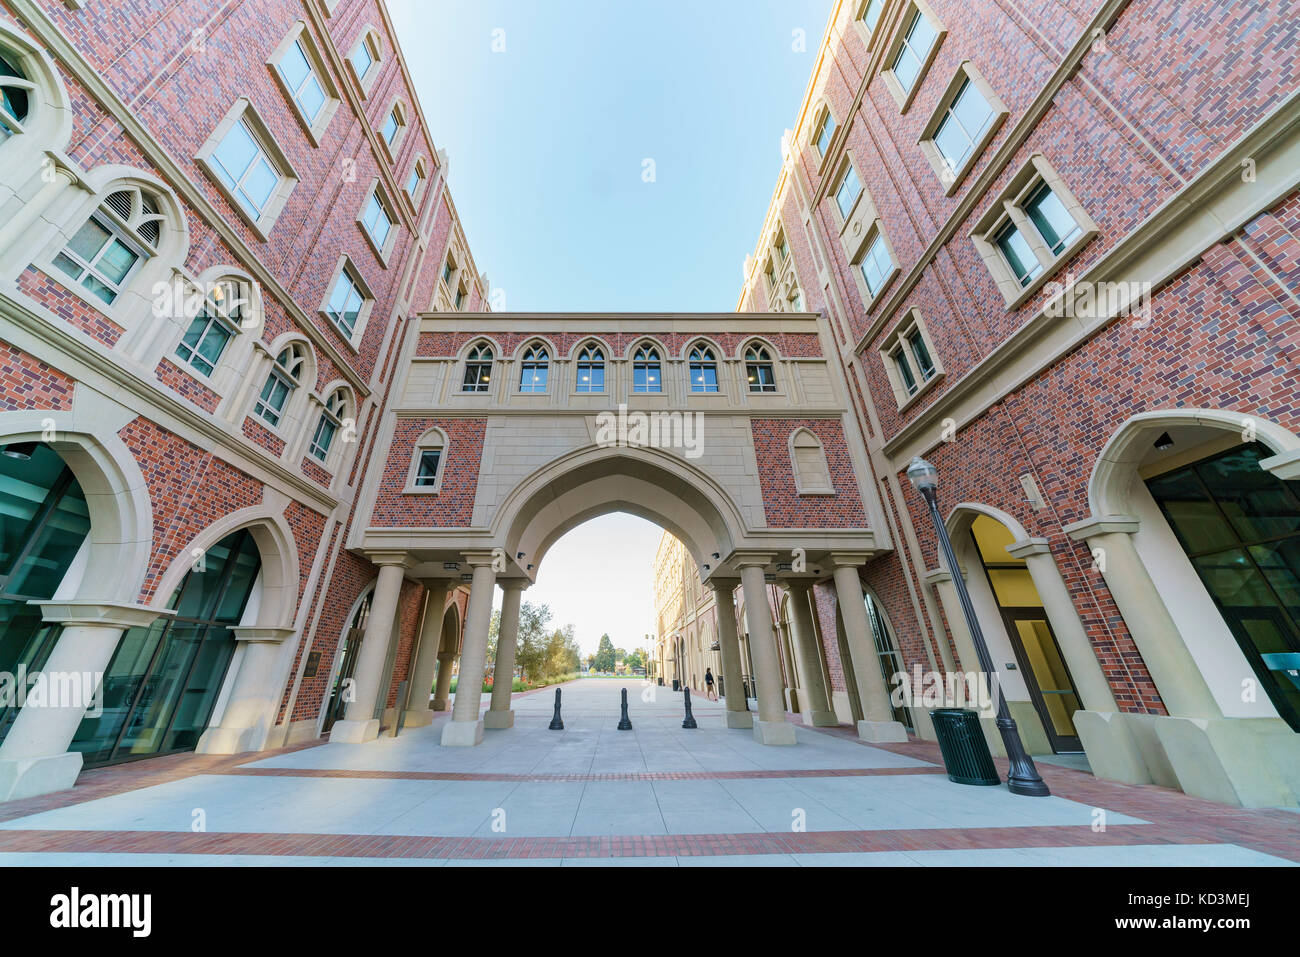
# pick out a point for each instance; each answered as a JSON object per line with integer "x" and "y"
{"x": 99, "y": 259}
{"x": 825, "y": 134}
{"x": 904, "y": 371}
{"x": 362, "y": 60}
{"x": 847, "y": 195}
{"x": 1024, "y": 264}
{"x": 921, "y": 353}
{"x": 876, "y": 265}
{"x": 460, "y": 298}
{"x": 304, "y": 86}
{"x": 243, "y": 166}
{"x": 1050, "y": 217}
{"x": 376, "y": 220}
{"x": 413, "y": 184}
{"x": 391, "y": 126}
{"x": 270, "y": 403}
{"x": 448, "y": 268}
{"x": 910, "y": 59}
{"x": 345, "y": 304}
{"x": 870, "y": 15}
{"x": 964, "y": 123}
{"x": 783, "y": 247}
{"x": 426, "y": 475}
{"x": 205, "y": 341}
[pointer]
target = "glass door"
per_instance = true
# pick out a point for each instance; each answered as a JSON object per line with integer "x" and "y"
{"x": 351, "y": 646}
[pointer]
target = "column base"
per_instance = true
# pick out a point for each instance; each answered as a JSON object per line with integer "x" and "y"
{"x": 354, "y": 732}
{"x": 499, "y": 719}
{"x": 29, "y": 777}
{"x": 882, "y": 732}
{"x": 225, "y": 741}
{"x": 417, "y": 718}
{"x": 773, "y": 732}
{"x": 739, "y": 719}
{"x": 820, "y": 719}
{"x": 441, "y": 706}
{"x": 462, "y": 734}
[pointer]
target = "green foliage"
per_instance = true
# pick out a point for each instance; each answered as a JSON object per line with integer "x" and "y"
{"x": 605, "y": 655}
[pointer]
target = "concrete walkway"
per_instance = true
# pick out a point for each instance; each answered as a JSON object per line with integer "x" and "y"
{"x": 657, "y": 794}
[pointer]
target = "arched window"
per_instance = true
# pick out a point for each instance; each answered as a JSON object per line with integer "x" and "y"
{"x": 591, "y": 370}
{"x": 478, "y": 369}
{"x": 16, "y": 93}
{"x": 216, "y": 323}
{"x": 164, "y": 679}
{"x": 284, "y": 377}
{"x": 891, "y": 662}
{"x": 327, "y": 426}
{"x": 704, "y": 370}
{"x": 44, "y": 521}
{"x": 758, "y": 370}
{"x": 427, "y": 463}
{"x": 812, "y": 474}
{"x": 533, "y": 369}
{"x": 114, "y": 242}
{"x": 646, "y": 375}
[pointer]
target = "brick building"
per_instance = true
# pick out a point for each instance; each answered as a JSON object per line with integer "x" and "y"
{"x": 1058, "y": 249}
{"x": 261, "y": 432}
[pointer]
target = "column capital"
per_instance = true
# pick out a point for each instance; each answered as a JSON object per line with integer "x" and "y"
{"x": 83, "y": 613}
{"x": 936, "y": 576}
{"x": 1026, "y": 547}
{"x": 843, "y": 559}
{"x": 481, "y": 558}
{"x": 723, "y": 584}
{"x": 513, "y": 584}
{"x": 263, "y": 633}
{"x": 749, "y": 559}
{"x": 391, "y": 558}
{"x": 800, "y": 585}
{"x": 1095, "y": 525}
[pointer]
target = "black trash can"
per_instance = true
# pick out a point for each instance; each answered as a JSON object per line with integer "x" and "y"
{"x": 677, "y": 685}
{"x": 965, "y": 752}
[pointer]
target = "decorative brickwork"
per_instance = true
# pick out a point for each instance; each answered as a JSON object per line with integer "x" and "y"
{"x": 782, "y": 505}
{"x": 28, "y": 383}
{"x": 453, "y": 504}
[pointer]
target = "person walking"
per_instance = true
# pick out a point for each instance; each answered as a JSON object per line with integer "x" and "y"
{"x": 710, "y": 693}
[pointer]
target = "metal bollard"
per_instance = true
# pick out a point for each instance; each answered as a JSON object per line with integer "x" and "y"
{"x": 624, "y": 723}
{"x": 689, "y": 722}
{"x": 557, "y": 724}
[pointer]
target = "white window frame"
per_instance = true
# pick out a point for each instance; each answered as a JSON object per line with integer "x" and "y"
{"x": 346, "y": 266}
{"x": 435, "y": 440}
{"x": 375, "y": 196}
{"x": 1009, "y": 207}
{"x": 875, "y": 235}
{"x": 598, "y": 357}
{"x": 868, "y": 33}
{"x": 540, "y": 354}
{"x": 904, "y": 97}
{"x": 299, "y": 36}
{"x": 952, "y": 178}
{"x": 897, "y": 347}
{"x": 244, "y": 112}
{"x": 369, "y": 37}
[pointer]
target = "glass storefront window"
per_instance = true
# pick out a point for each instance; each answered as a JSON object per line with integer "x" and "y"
{"x": 1240, "y": 527}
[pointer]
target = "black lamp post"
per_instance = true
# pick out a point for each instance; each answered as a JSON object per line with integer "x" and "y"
{"x": 1023, "y": 777}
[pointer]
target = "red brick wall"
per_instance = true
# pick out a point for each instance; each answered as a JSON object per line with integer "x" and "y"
{"x": 28, "y": 383}
{"x": 782, "y": 505}
{"x": 453, "y": 504}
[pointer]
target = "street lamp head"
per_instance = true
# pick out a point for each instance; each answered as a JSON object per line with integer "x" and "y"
{"x": 923, "y": 476}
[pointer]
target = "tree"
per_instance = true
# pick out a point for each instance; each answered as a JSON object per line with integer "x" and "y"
{"x": 530, "y": 651}
{"x": 634, "y": 661}
{"x": 604, "y": 660}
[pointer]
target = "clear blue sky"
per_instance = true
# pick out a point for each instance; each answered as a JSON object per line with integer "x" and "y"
{"x": 548, "y": 141}
{"x": 548, "y": 138}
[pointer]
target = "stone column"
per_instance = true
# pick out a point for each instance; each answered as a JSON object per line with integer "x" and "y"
{"x": 427, "y": 654}
{"x": 737, "y": 714}
{"x": 499, "y": 714}
{"x": 878, "y": 724}
{"x": 1179, "y": 681}
{"x": 771, "y": 726}
{"x": 360, "y": 723}
{"x": 34, "y": 758}
{"x": 813, "y": 699}
{"x": 443, "y": 689}
{"x": 1089, "y": 682}
{"x": 465, "y": 729}
{"x": 254, "y": 695}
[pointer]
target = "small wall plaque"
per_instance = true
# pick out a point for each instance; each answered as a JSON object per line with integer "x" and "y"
{"x": 313, "y": 664}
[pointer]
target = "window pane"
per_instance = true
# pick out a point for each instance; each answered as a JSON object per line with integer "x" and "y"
{"x": 972, "y": 110}
{"x": 294, "y": 66}
{"x": 311, "y": 97}
{"x": 68, "y": 266}
{"x": 905, "y": 372}
{"x": 848, "y": 192}
{"x": 1024, "y": 264}
{"x": 1256, "y": 503}
{"x": 260, "y": 184}
{"x": 103, "y": 291}
{"x": 1051, "y": 219}
{"x": 923, "y": 361}
{"x": 428, "y": 470}
{"x": 116, "y": 262}
{"x": 1195, "y": 519}
{"x": 236, "y": 152}
{"x": 871, "y": 13}
{"x": 89, "y": 240}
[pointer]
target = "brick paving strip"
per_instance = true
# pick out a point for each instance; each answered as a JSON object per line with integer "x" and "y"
{"x": 542, "y": 777}
{"x": 649, "y": 845}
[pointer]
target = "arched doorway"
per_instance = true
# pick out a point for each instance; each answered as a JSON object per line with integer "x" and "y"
{"x": 44, "y": 523}
{"x": 1037, "y": 652}
{"x": 347, "y": 654}
{"x": 163, "y": 681}
{"x": 1239, "y": 526}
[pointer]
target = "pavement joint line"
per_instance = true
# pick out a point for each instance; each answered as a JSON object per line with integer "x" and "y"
{"x": 562, "y": 777}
